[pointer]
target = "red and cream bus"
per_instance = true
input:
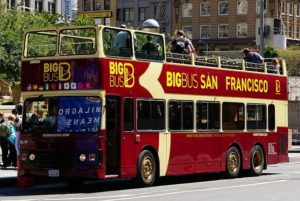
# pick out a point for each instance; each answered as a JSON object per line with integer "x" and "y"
{"x": 98, "y": 105}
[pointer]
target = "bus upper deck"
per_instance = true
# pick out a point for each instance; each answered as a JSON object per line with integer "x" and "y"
{"x": 103, "y": 41}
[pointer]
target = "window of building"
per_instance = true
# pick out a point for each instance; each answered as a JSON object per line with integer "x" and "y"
{"x": 298, "y": 9}
{"x": 256, "y": 116}
{"x": 271, "y": 117}
{"x": 128, "y": 114}
{"x": 223, "y": 31}
{"x": 159, "y": 9}
{"x": 128, "y": 14}
{"x": 283, "y": 6}
{"x": 242, "y": 30}
{"x": 258, "y": 6}
{"x": 181, "y": 115}
{"x": 107, "y": 21}
{"x": 142, "y": 12}
{"x": 39, "y": 5}
{"x": 205, "y": 9}
{"x": 298, "y": 32}
{"x": 242, "y": 7}
{"x": 291, "y": 8}
{"x": 96, "y": 5}
{"x": 86, "y": 5}
{"x": 26, "y": 6}
{"x": 151, "y": 115}
{"x": 290, "y": 30}
{"x": 223, "y": 8}
{"x": 51, "y": 7}
{"x": 208, "y": 116}
{"x": 187, "y": 10}
{"x": 204, "y": 31}
{"x": 106, "y": 4}
{"x": 10, "y": 4}
{"x": 188, "y": 30}
{"x": 233, "y": 116}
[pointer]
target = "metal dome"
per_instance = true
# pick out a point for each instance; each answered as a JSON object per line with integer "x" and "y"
{"x": 150, "y": 23}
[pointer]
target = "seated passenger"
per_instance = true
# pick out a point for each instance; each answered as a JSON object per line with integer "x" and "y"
{"x": 276, "y": 65}
{"x": 122, "y": 39}
{"x": 149, "y": 46}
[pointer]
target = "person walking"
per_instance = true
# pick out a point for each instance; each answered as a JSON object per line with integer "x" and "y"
{"x": 4, "y": 133}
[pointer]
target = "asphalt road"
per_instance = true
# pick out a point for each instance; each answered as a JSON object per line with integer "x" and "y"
{"x": 279, "y": 182}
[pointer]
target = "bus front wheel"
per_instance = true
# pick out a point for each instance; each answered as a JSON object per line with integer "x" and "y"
{"x": 257, "y": 160}
{"x": 233, "y": 162}
{"x": 146, "y": 172}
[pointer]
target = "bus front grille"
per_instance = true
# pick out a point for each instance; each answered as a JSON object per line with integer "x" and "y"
{"x": 54, "y": 159}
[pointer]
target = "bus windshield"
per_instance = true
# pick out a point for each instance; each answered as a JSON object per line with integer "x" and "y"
{"x": 62, "y": 115}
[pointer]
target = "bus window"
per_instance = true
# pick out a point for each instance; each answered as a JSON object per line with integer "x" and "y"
{"x": 128, "y": 114}
{"x": 41, "y": 44}
{"x": 117, "y": 42}
{"x": 150, "y": 115}
{"x": 208, "y": 116}
{"x": 148, "y": 46}
{"x": 181, "y": 115}
{"x": 256, "y": 116}
{"x": 233, "y": 116}
{"x": 77, "y": 41}
{"x": 271, "y": 117}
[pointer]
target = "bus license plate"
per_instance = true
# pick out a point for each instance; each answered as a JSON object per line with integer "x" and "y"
{"x": 53, "y": 173}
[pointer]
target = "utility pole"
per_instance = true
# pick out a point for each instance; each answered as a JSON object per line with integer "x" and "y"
{"x": 262, "y": 42}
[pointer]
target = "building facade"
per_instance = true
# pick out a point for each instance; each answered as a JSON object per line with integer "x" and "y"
{"x": 222, "y": 25}
{"x": 53, "y": 6}
{"x": 103, "y": 11}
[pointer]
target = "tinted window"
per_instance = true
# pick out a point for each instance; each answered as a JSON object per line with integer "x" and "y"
{"x": 233, "y": 116}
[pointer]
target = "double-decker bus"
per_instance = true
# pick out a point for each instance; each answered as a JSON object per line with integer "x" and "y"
{"x": 98, "y": 105}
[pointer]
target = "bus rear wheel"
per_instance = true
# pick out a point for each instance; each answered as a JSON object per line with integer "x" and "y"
{"x": 257, "y": 160}
{"x": 233, "y": 162}
{"x": 146, "y": 173}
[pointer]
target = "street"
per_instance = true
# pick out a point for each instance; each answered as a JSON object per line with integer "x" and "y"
{"x": 279, "y": 182}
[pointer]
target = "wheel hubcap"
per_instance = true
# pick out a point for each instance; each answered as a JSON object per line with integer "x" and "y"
{"x": 233, "y": 162}
{"x": 147, "y": 169}
{"x": 257, "y": 159}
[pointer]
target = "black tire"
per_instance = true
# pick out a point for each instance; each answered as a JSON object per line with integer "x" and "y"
{"x": 233, "y": 162}
{"x": 146, "y": 172}
{"x": 257, "y": 160}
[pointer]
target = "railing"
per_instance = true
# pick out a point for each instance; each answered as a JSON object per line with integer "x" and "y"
{"x": 219, "y": 62}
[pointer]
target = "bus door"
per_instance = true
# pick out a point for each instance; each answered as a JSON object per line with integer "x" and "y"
{"x": 112, "y": 135}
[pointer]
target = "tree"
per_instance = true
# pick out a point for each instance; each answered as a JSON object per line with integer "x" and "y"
{"x": 13, "y": 25}
{"x": 292, "y": 59}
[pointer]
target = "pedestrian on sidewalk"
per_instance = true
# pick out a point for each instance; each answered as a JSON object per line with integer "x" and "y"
{"x": 3, "y": 140}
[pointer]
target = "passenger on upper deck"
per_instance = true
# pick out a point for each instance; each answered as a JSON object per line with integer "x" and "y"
{"x": 122, "y": 39}
{"x": 181, "y": 45}
{"x": 276, "y": 65}
{"x": 252, "y": 57}
{"x": 149, "y": 46}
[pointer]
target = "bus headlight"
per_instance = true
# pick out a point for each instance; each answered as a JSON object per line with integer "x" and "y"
{"x": 31, "y": 157}
{"x": 82, "y": 157}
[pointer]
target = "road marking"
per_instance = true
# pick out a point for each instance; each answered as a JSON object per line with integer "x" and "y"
{"x": 200, "y": 190}
{"x": 87, "y": 198}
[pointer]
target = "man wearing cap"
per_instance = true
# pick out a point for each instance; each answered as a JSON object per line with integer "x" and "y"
{"x": 122, "y": 39}
{"x": 252, "y": 57}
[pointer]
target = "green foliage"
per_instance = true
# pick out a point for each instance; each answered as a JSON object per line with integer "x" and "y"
{"x": 82, "y": 20}
{"x": 13, "y": 25}
{"x": 292, "y": 59}
{"x": 270, "y": 52}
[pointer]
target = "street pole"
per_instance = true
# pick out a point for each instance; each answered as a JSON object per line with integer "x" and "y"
{"x": 262, "y": 42}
